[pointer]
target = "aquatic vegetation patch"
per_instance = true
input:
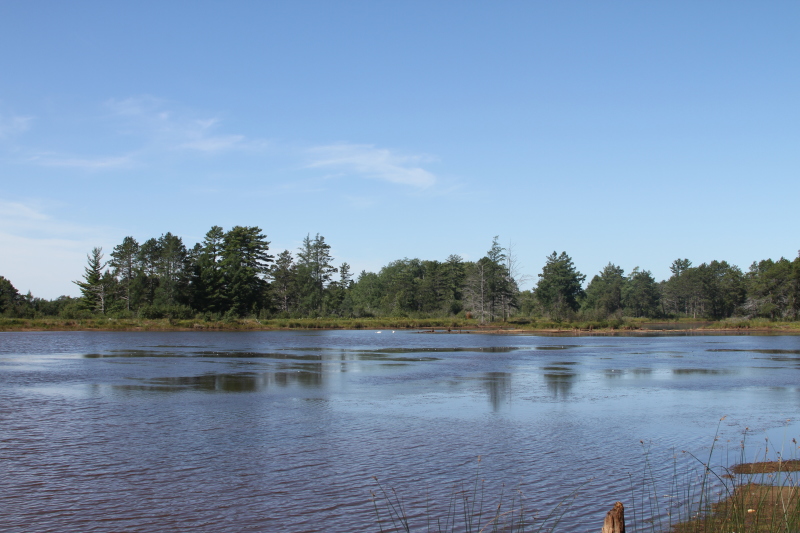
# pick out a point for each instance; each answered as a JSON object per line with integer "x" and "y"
{"x": 764, "y": 351}
{"x": 767, "y": 467}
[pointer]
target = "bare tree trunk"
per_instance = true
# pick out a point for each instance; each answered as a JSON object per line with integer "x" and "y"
{"x": 615, "y": 520}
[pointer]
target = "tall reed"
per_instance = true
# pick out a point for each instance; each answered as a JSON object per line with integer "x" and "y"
{"x": 704, "y": 495}
{"x": 467, "y": 511}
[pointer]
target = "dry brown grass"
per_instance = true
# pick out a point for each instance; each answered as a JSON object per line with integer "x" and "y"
{"x": 767, "y": 467}
{"x": 751, "y": 508}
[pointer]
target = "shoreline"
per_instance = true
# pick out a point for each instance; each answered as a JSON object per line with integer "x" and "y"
{"x": 431, "y": 326}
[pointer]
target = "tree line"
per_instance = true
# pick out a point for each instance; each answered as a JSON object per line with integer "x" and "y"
{"x": 232, "y": 274}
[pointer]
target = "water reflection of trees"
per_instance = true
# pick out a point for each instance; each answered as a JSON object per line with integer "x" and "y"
{"x": 559, "y": 382}
{"x": 308, "y": 375}
{"x": 498, "y": 385}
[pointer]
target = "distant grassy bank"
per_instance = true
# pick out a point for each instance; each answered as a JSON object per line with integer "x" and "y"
{"x": 452, "y": 324}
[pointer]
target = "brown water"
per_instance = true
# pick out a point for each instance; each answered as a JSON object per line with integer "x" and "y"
{"x": 283, "y": 431}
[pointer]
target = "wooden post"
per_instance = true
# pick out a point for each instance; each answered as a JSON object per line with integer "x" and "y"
{"x": 615, "y": 520}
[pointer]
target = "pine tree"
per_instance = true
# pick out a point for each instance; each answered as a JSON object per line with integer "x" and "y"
{"x": 245, "y": 264}
{"x": 559, "y": 288}
{"x": 93, "y": 287}
{"x": 124, "y": 261}
{"x": 314, "y": 272}
{"x": 283, "y": 274}
{"x": 207, "y": 286}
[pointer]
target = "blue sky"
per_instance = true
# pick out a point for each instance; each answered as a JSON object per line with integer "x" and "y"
{"x": 624, "y": 132}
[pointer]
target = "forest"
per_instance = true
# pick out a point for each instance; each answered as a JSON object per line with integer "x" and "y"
{"x": 231, "y": 274}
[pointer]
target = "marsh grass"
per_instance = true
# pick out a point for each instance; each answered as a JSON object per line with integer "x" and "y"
{"x": 226, "y": 323}
{"x": 757, "y": 497}
{"x": 697, "y": 496}
{"x": 454, "y": 324}
{"x": 467, "y": 511}
{"x": 761, "y": 324}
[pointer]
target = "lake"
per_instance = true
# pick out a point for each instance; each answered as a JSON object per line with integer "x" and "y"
{"x": 284, "y": 430}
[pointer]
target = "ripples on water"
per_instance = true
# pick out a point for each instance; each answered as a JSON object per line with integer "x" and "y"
{"x": 283, "y": 431}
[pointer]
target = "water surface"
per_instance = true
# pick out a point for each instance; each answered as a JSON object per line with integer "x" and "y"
{"x": 283, "y": 431}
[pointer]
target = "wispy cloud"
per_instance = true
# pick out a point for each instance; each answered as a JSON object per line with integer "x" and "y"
{"x": 38, "y": 241}
{"x": 143, "y": 128}
{"x": 371, "y": 162}
{"x": 17, "y": 211}
{"x": 199, "y": 137}
{"x": 13, "y": 125}
{"x": 360, "y": 202}
{"x": 85, "y": 163}
{"x": 168, "y": 129}
{"x": 31, "y": 219}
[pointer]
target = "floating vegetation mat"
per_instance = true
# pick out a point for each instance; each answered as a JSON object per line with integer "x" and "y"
{"x": 767, "y": 467}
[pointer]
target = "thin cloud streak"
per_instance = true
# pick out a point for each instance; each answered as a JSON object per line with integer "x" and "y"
{"x": 17, "y": 211}
{"x": 167, "y": 130}
{"x": 85, "y": 163}
{"x": 148, "y": 129}
{"x": 39, "y": 241}
{"x": 11, "y": 126}
{"x": 29, "y": 219}
{"x": 371, "y": 162}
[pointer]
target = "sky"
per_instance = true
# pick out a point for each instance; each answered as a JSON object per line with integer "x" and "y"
{"x": 634, "y": 133}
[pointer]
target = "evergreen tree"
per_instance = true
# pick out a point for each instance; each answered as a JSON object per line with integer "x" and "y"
{"x": 432, "y": 288}
{"x": 208, "y": 292}
{"x": 172, "y": 264}
{"x": 559, "y": 288}
{"x": 284, "y": 272}
{"x": 723, "y": 288}
{"x": 640, "y": 294}
{"x": 93, "y": 287}
{"x": 454, "y": 274}
{"x": 500, "y": 288}
{"x": 770, "y": 291}
{"x": 401, "y": 280}
{"x": 681, "y": 294}
{"x": 245, "y": 263}
{"x": 366, "y": 294}
{"x": 314, "y": 272}
{"x": 604, "y": 292}
{"x": 147, "y": 280}
{"x": 125, "y": 264}
{"x": 489, "y": 286}
{"x": 338, "y": 300}
{"x": 12, "y": 304}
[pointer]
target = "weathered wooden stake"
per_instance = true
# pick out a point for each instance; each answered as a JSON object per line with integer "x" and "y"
{"x": 615, "y": 520}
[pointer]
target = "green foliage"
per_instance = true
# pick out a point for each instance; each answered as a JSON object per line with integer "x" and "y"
{"x": 604, "y": 292}
{"x": 207, "y": 278}
{"x": 490, "y": 290}
{"x": 773, "y": 289}
{"x": 124, "y": 260}
{"x": 232, "y": 274}
{"x": 366, "y": 294}
{"x": 96, "y": 286}
{"x": 559, "y": 289}
{"x": 165, "y": 311}
{"x": 640, "y": 294}
{"x": 314, "y": 272}
{"x": 714, "y": 290}
{"x": 12, "y": 304}
{"x": 74, "y": 310}
{"x": 284, "y": 276}
{"x": 245, "y": 264}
